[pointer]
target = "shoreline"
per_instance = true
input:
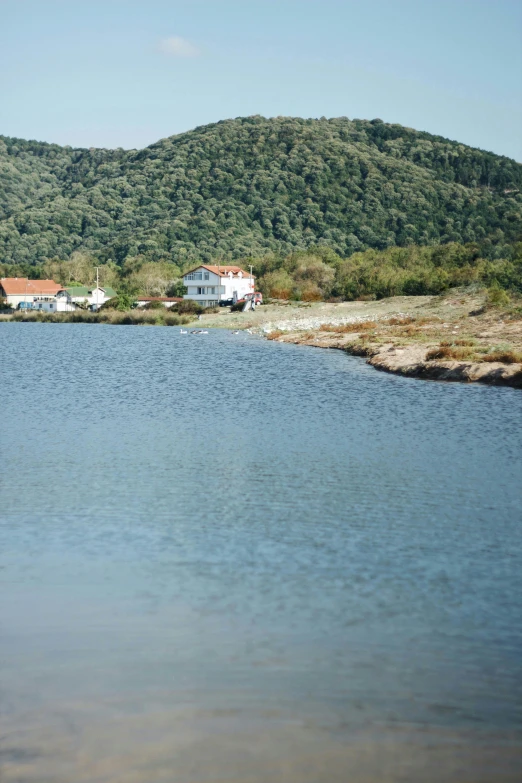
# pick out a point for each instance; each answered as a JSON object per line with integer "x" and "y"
{"x": 411, "y": 362}
{"x": 455, "y": 337}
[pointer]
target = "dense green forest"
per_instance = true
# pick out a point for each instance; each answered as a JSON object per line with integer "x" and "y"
{"x": 256, "y": 188}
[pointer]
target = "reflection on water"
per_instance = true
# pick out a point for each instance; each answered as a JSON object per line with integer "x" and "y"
{"x": 224, "y": 559}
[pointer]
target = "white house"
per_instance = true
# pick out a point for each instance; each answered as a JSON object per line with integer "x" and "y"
{"x": 56, "y": 305}
{"x": 209, "y": 285}
{"x": 89, "y": 297}
{"x": 22, "y": 292}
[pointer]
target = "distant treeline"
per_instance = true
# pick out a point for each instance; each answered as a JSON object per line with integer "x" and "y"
{"x": 414, "y": 270}
{"x": 254, "y": 187}
{"x": 314, "y": 274}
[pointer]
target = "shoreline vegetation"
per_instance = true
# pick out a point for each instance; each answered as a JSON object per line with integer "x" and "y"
{"x": 467, "y": 335}
{"x": 136, "y": 317}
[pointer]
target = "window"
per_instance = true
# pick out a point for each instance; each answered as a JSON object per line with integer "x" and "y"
{"x": 194, "y": 276}
{"x": 206, "y": 276}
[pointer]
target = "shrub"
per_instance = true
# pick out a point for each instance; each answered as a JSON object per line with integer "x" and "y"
{"x": 238, "y": 306}
{"x": 154, "y": 306}
{"x": 171, "y": 319}
{"x": 277, "y": 285}
{"x": 497, "y": 297}
{"x": 121, "y": 302}
{"x": 190, "y": 307}
{"x": 312, "y": 294}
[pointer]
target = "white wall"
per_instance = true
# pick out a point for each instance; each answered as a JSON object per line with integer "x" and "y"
{"x": 15, "y": 299}
{"x": 46, "y": 307}
{"x": 142, "y": 303}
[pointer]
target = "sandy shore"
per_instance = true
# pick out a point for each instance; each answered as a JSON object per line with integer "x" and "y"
{"x": 453, "y": 337}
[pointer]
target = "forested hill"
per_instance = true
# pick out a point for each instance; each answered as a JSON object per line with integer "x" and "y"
{"x": 241, "y": 187}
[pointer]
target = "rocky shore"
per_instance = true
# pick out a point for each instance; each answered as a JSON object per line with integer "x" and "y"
{"x": 411, "y": 360}
{"x": 455, "y": 337}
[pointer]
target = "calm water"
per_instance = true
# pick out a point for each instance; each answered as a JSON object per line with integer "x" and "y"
{"x": 225, "y": 559}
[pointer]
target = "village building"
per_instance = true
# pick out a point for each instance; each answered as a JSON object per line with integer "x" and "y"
{"x": 20, "y": 292}
{"x": 208, "y": 285}
{"x": 93, "y": 298}
{"x": 166, "y": 301}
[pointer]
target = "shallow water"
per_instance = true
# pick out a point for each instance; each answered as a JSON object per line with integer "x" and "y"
{"x": 226, "y": 559}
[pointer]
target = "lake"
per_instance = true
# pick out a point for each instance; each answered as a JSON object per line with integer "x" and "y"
{"x": 228, "y": 559}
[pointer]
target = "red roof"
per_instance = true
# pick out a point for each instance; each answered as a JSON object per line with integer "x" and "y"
{"x": 20, "y": 286}
{"x": 223, "y": 270}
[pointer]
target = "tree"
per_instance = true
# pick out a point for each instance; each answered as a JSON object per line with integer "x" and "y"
{"x": 122, "y": 302}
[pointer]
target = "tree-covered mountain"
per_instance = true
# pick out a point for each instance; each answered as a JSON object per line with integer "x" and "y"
{"x": 252, "y": 185}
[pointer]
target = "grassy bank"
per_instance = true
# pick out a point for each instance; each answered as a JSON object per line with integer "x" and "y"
{"x": 131, "y": 317}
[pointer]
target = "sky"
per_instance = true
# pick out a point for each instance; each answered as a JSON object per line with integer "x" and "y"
{"x": 125, "y": 73}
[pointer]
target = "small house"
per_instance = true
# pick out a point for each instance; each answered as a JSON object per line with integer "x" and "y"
{"x": 92, "y": 298}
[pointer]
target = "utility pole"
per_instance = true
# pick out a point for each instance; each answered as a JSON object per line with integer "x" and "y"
{"x": 97, "y": 289}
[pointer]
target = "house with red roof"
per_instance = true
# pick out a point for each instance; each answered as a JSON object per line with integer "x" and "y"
{"x": 210, "y": 284}
{"x": 20, "y": 291}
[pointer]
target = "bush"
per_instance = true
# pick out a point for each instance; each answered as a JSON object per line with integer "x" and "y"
{"x": 154, "y": 306}
{"x": 497, "y": 297}
{"x": 190, "y": 307}
{"x": 121, "y": 302}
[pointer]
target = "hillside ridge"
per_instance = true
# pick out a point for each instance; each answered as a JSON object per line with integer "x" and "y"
{"x": 247, "y": 186}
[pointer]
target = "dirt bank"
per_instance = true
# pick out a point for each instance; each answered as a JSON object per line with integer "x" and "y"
{"x": 456, "y": 337}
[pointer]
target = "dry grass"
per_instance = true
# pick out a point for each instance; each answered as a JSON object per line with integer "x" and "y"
{"x": 400, "y": 321}
{"x": 275, "y": 334}
{"x": 448, "y": 352}
{"x": 507, "y": 357}
{"x": 362, "y": 326}
{"x": 409, "y": 331}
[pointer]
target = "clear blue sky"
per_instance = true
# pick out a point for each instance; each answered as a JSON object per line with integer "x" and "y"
{"x": 128, "y": 72}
